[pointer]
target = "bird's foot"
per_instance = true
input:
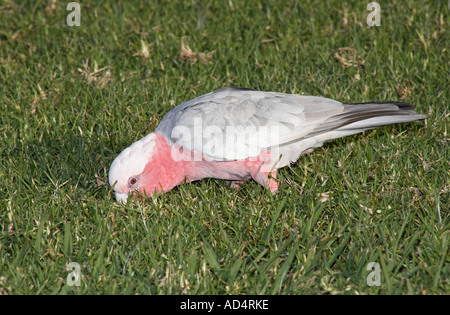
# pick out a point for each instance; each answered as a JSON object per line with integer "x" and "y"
{"x": 236, "y": 184}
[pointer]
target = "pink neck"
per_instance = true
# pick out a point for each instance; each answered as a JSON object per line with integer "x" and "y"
{"x": 167, "y": 168}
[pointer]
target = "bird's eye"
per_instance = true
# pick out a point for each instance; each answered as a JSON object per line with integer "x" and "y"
{"x": 133, "y": 181}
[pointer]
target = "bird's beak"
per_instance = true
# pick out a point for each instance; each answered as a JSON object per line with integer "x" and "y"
{"x": 121, "y": 198}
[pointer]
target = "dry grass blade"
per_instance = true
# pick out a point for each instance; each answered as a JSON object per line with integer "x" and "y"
{"x": 349, "y": 57}
{"x": 188, "y": 55}
{"x": 99, "y": 77}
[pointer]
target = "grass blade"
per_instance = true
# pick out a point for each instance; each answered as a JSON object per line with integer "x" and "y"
{"x": 38, "y": 241}
{"x": 268, "y": 231}
{"x": 276, "y": 288}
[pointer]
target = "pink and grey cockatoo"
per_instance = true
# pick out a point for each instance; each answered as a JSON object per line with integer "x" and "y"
{"x": 237, "y": 134}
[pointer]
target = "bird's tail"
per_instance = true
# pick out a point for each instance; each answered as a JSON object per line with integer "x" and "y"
{"x": 358, "y": 117}
{"x": 375, "y": 114}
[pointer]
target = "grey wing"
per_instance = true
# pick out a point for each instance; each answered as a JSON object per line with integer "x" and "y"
{"x": 236, "y": 123}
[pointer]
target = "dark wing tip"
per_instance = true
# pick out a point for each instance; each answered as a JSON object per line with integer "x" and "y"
{"x": 400, "y": 105}
{"x": 233, "y": 88}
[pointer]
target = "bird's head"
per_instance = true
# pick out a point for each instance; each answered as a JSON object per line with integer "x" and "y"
{"x": 127, "y": 174}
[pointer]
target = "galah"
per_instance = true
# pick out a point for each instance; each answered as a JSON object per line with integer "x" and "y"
{"x": 238, "y": 134}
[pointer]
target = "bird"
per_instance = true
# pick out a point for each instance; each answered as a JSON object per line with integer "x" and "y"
{"x": 239, "y": 134}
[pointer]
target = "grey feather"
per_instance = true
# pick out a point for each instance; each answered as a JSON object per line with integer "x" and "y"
{"x": 302, "y": 122}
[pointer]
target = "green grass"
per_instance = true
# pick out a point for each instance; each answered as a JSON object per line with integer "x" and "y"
{"x": 381, "y": 196}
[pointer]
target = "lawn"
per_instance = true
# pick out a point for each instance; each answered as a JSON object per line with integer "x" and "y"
{"x": 73, "y": 97}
